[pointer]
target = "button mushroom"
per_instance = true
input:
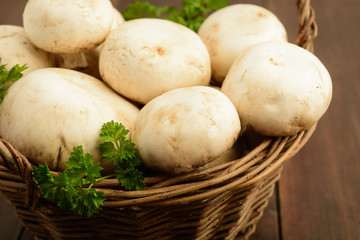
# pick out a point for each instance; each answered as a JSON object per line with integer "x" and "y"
{"x": 10, "y": 30}
{"x": 185, "y": 128}
{"x": 117, "y": 18}
{"x": 49, "y": 111}
{"x": 92, "y": 56}
{"x": 230, "y": 30}
{"x": 67, "y": 27}
{"x": 278, "y": 88}
{"x": 16, "y": 48}
{"x": 143, "y": 58}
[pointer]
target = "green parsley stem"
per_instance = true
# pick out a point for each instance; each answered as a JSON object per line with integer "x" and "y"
{"x": 90, "y": 186}
{"x": 105, "y": 177}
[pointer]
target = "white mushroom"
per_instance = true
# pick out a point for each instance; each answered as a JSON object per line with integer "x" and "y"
{"x": 185, "y": 128}
{"x": 16, "y": 48}
{"x": 92, "y": 56}
{"x": 117, "y": 18}
{"x": 143, "y": 58}
{"x": 10, "y": 31}
{"x": 68, "y": 27}
{"x": 278, "y": 88}
{"x": 49, "y": 111}
{"x": 237, "y": 151}
{"x": 230, "y": 30}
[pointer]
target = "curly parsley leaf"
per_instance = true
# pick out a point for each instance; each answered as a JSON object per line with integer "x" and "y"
{"x": 130, "y": 178}
{"x": 116, "y": 147}
{"x": 88, "y": 202}
{"x": 81, "y": 168}
{"x": 45, "y": 180}
{"x": 122, "y": 152}
{"x": 68, "y": 187}
{"x": 72, "y": 189}
{"x": 192, "y": 14}
{"x": 6, "y": 76}
{"x": 64, "y": 191}
{"x": 140, "y": 9}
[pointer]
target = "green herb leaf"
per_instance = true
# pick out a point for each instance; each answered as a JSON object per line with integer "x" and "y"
{"x": 68, "y": 187}
{"x": 122, "y": 151}
{"x": 88, "y": 202}
{"x": 113, "y": 132}
{"x": 45, "y": 180}
{"x": 140, "y": 9}
{"x": 215, "y": 4}
{"x": 131, "y": 179}
{"x": 81, "y": 168}
{"x": 72, "y": 189}
{"x": 192, "y": 14}
{"x": 64, "y": 191}
{"x": 12, "y": 75}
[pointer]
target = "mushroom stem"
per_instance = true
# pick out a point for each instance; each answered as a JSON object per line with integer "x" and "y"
{"x": 72, "y": 60}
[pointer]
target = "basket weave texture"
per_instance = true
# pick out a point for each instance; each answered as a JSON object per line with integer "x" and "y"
{"x": 221, "y": 202}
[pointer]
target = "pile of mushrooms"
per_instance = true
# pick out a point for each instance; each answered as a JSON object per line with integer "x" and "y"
{"x": 188, "y": 99}
{"x": 230, "y": 30}
{"x": 52, "y": 110}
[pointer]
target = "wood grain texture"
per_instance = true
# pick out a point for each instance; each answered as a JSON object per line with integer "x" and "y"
{"x": 320, "y": 187}
{"x": 318, "y": 194}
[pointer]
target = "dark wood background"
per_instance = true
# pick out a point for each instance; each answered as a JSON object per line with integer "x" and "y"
{"x": 318, "y": 196}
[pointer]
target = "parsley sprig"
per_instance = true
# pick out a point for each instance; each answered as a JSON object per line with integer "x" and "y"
{"x": 6, "y": 76}
{"x": 122, "y": 152}
{"x": 73, "y": 188}
{"x": 67, "y": 188}
{"x": 192, "y": 14}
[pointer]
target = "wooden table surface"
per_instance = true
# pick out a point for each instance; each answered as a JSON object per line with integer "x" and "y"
{"x": 318, "y": 195}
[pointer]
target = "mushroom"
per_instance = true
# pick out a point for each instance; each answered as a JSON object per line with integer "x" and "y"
{"x": 185, "y": 128}
{"x": 143, "y": 58}
{"x": 16, "y": 48}
{"x": 278, "y": 88}
{"x": 49, "y": 111}
{"x": 92, "y": 56}
{"x": 230, "y": 30}
{"x": 10, "y": 30}
{"x": 237, "y": 151}
{"x": 68, "y": 28}
{"x": 117, "y": 18}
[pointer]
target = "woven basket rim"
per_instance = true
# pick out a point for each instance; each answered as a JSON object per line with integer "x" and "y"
{"x": 164, "y": 190}
{"x": 200, "y": 184}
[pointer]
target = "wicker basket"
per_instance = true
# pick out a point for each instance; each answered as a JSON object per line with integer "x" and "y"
{"x": 221, "y": 202}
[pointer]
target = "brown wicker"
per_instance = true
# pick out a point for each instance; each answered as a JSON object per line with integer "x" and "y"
{"x": 221, "y": 202}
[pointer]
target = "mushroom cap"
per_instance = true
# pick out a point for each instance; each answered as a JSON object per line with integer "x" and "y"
{"x": 16, "y": 48}
{"x": 10, "y": 30}
{"x": 92, "y": 55}
{"x": 117, "y": 18}
{"x": 229, "y": 31}
{"x": 278, "y": 88}
{"x": 143, "y": 58}
{"x": 185, "y": 128}
{"x": 67, "y": 26}
{"x": 49, "y": 111}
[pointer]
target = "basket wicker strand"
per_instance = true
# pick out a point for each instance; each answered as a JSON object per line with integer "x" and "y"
{"x": 221, "y": 202}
